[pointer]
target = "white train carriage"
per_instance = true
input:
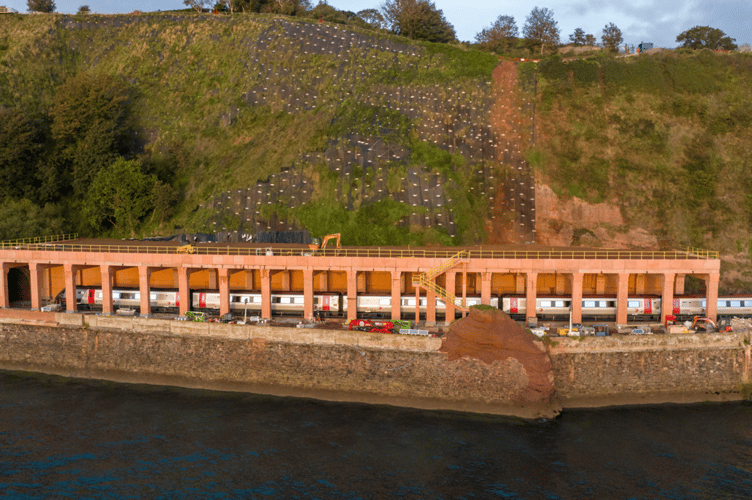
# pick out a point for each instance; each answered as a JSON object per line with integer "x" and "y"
{"x": 592, "y": 307}
{"x": 281, "y": 303}
{"x": 381, "y": 305}
{"x": 687, "y": 307}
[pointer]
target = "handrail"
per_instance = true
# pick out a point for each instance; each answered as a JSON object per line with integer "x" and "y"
{"x": 38, "y": 239}
{"x": 59, "y": 245}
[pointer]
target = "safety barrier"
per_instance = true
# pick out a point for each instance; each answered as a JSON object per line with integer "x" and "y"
{"x": 37, "y": 240}
{"x": 56, "y": 244}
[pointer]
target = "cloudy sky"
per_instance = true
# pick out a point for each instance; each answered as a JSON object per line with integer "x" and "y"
{"x": 657, "y": 21}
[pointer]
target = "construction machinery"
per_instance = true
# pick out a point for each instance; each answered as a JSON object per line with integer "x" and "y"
{"x": 315, "y": 245}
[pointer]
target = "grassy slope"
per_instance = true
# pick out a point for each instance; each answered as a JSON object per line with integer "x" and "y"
{"x": 665, "y": 137}
{"x": 196, "y": 80}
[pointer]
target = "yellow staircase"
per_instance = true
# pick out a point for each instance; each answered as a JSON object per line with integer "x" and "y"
{"x": 426, "y": 281}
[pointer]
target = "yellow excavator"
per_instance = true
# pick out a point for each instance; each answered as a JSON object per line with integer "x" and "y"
{"x": 315, "y": 246}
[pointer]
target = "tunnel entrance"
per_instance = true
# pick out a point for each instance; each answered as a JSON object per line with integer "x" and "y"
{"x": 19, "y": 287}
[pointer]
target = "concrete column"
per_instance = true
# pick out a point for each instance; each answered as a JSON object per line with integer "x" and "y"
{"x": 144, "y": 288}
{"x": 667, "y": 298}
{"x": 107, "y": 274}
{"x": 712, "y": 295}
{"x": 308, "y": 293}
{"x": 352, "y": 295}
{"x": 679, "y": 284}
{"x": 464, "y": 290}
{"x": 70, "y": 288}
{"x": 4, "y": 294}
{"x": 622, "y": 294}
{"x": 485, "y": 288}
{"x": 430, "y": 308}
{"x": 223, "y": 276}
{"x": 184, "y": 290}
{"x": 396, "y": 295}
{"x": 451, "y": 285}
{"x": 531, "y": 296}
{"x": 36, "y": 296}
{"x": 266, "y": 294}
{"x": 577, "y": 297}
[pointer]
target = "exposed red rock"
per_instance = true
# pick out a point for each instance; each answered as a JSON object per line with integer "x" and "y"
{"x": 491, "y": 336}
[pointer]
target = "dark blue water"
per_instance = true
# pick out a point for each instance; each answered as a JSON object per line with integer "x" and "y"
{"x": 62, "y": 438}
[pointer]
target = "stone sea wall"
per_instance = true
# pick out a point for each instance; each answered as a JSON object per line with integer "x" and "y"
{"x": 375, "y": 368}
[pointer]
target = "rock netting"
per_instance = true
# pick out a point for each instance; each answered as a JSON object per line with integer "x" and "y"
{"x": 493, "y": 337}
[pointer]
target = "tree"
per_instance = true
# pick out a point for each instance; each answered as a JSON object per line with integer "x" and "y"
{"x": 20, "y": 146}
{"x": 373, "y": 17}
{"x": 417, "y": 19}
{"x": 611, "y": 37}
{"x": 41, "y": 5}
{"x": 23, "y": 219}
{"x": 745, "y": 48}
{"x": 197, "y": 5}
{"x": 578, "y": 37}
{"x": 541, "y": 30}
{"x": 499, "y": 35}
{"x": 590, "y": 40}
{"x": 120, "y": 195}
{"x": 84, "y": 9}
{"x": 89, "y": 126}
{"x": 705, "y": 37}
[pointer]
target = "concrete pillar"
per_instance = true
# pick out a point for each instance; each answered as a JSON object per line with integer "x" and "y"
{"x": 451, "y": 285}
{"x": 223, "y": 276}
{"x": 577, "y": 297}
{"x": 266, "y": 294}
{"x": 712, "y": 296}
{"x": 396, "y": 295}
{"x": 308, "y": 293}
{"x": 531, "y": 296}
{"x": 430, "y": 308}
{"x": 4, "y": 294}
{"x": 70, "y": 288}
{"x": 184, "y": 290}
{"x": 352, "y": 295}
{"x": 667, "y": 298}
{"x": 144, "y": 288}
{"x": 464, "y": 290}
{"x": 485, "y": 288}
{"x": 107, "y": 275}
{"x": 35, "y": 271}
{"x": 679, "y": 284}
{"x": 622, "y": 294}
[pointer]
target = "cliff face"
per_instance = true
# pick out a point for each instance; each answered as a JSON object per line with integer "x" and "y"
{"x": 268, "y": 123}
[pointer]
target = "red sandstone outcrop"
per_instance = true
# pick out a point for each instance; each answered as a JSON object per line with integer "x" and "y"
{"x": 492, "y": 336}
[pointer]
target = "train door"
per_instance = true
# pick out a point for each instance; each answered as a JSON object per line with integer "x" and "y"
{"x": 325, "y": 303}
{"x": 202, "y": 300}
{"x": 648, "y": 306}
{"x": 512, "y": 305}
{"x": 91, "y": 300}
{"x": 676, "y": 309}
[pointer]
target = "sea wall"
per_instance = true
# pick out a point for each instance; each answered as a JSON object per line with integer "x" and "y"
{"x": 633, "y": 369}
{"x": 375, "y": 368}
{"x": 343, "y": 366}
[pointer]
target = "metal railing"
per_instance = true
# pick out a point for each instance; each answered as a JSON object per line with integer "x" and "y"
{"x": 37, "y": 240}
{"x": 58, "y": 245}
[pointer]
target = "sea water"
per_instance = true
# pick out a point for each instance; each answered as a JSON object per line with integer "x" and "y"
{"x": 68, "y": 438}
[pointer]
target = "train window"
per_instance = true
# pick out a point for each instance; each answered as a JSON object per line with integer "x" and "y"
{"x": 298, "y": 300}
{"x": 602, "y": 303}
{"x": 545, "y": 303}
{"x": 276, "y": 300}
{"x": 748, "y": 303}
{"x": 385, "y": 302}
{"x": 115, "y": 295}
{"x": 99, "y": 295}
{"x": 633, "y": 303}
{"x": 257, "y": 299}
{"x": 559, "y": 303}
{"x": 472, "y": 302}
{"x": 285, "y": 300}
{"x": 410, "y": 302}
{"x": 588, "y": 303}
{"x": 703, "y": 303}
{"x": 317, "y": 300}
{"x": 152, "y": 296}
{"x": 722, "y": 303}
{"x": 735, "y": 303}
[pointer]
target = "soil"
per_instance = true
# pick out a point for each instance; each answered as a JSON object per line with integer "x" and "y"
{"x": 490, "y": 336}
